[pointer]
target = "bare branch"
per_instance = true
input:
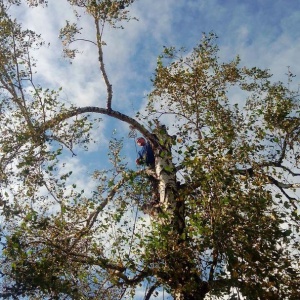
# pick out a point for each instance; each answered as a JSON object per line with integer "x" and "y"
{"x": 93, "y": 216}
{"x": 282, "y": 156}
{"x": 93, "y": 109}
{"x": 151, "y": 290}
{"x": 214, "y": 265}
{"x": 289, "y": 170}
{"x": 102, "y": 66}
{"x": 283, "y": 186}
{"x": 84, "y": 40}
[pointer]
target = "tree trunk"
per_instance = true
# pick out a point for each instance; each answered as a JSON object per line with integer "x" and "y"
{"x": 181, "y": 272}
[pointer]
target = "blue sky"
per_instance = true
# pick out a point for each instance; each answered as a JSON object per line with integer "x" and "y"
{"x": 264, "y": 33}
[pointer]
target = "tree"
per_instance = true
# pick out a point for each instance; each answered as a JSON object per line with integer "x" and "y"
{"x": 226, "y": 217}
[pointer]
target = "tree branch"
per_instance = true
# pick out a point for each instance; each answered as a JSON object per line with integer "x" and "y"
{"x": 93, "y": 216}
{"x": 214, "y": 264}
{"x": 102, "y": 66}
{"x": 109, "y": 112}
{"x": 150, "y": 292}
{"x": 279, "y": 162}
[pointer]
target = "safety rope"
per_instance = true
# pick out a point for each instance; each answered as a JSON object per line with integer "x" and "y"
{"x": 132, "y": 134}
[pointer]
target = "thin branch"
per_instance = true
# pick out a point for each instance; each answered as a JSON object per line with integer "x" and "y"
{"x": 85, "y": 40}
{"x": 107, "y": 265}
{"x": 283, "y": 151}
{"x": 23, "y": 105}
{"x": 80, "y": 257}
{"x": 92, "y": 218}
{"x": 289, "y": 170}
{"x": 151, "y": 290}
{"x": 283, "y": 186}
{"x": 55, "y": 138}
{"x": 214, "y": 264}
{"x": 102, "y": 66}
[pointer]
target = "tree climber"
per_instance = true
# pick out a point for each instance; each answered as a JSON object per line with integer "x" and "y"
{"x": 146, "y": 155}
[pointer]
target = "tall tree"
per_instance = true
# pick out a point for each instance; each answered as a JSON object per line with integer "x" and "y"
{"x": 226, "y": 217}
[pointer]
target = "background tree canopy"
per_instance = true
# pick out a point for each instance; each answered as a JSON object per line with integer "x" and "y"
{"x": 226, "y": 173}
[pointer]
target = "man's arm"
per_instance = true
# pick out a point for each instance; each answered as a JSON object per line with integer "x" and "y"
{"x": 140, "y": 160}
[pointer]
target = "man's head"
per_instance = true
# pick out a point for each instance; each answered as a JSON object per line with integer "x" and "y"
{"x": 141, "y": 141}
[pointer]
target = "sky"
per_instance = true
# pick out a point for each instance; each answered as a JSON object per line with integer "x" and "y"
{"x": 264, "y": 33}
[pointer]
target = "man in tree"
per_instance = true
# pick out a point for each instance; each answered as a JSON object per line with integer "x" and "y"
{"x": 219, "y": 230}
{"x": 146, "y": 155}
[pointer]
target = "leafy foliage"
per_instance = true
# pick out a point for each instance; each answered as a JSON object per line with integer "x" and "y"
{"x": 226, "y": 179}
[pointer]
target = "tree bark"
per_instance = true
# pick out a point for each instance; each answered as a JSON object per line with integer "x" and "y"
{"x": 181, "y": 267}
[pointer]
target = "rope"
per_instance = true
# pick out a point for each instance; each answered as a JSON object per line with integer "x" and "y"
{"x": 132, "y": 134}
{"x": 133, "y": 231}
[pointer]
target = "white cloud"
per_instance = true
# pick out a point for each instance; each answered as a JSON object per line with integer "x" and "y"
{"x": 264, "y": 33}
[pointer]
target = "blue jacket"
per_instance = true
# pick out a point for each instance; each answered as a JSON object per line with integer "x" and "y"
{"x": 146, "y": 154}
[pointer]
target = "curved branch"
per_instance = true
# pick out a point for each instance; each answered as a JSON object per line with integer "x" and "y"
{"x": 150, "y": 292}
{"x": 109, "y": 112}
{"x": 84, "y": 40}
